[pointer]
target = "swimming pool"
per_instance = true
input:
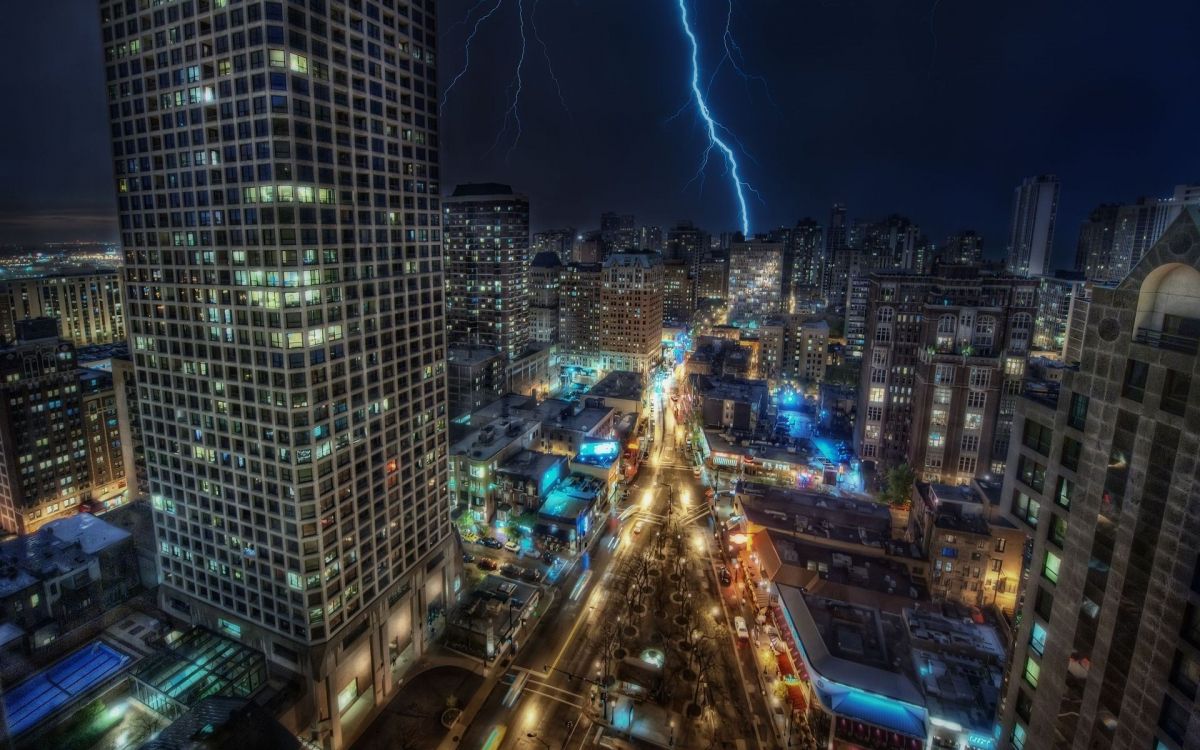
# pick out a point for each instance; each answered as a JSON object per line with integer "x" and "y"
{"x": 65, "y": 680}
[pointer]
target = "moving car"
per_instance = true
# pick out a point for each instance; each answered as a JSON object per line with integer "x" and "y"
{"x": 637, "y": 527}
{"x": 739, "y": 625}
{"x": 723, "y": 574}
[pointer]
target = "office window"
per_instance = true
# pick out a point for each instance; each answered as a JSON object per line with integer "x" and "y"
{"x": 1018, "y": 737}
{"x": 1135, "y": 380}
{"x": 1063, "y": 492}
{"x": 1044, "y": 603}
{"x": 1070, "y": 453}
{"x": 1185, "y": 674}
{"x": 1077, "y": 415}
{"x": 1176, "y": 387}
{"x": 1033, "y": 671}
{"x": 1191, "y": 625}
{"x": 1026, "y": 508}
{"x": 1037, "y": 638}
{"x": 1050, "y": 567}
{"x": 1031, "y": 473}
{"x": 1037, "y": 437}
{"x": 1057, "y": 534}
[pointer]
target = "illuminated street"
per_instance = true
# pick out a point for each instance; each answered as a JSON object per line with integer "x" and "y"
{"x": 553, "y": 699}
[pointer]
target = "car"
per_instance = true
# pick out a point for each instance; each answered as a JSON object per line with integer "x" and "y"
{"x": 637, "y": 527}
{"x": 739, "y": 625}
{"x": 509, "y": 678}
{"x": 468, "y": 557}
{"x": 487, "y": 563}
{"x": 491, "y": 542}
{"x": 532, "y": 552}
{"x": 533, "y": 575}
{"x": 510, "y": 570}
{"x": 549, "y": 558}
{"x": 723, "y": 574}
{"x": 511, "y": 546}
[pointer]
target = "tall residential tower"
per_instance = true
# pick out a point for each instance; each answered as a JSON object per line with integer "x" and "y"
{"x": 276, "y": 171}
{"x": 486, "y": 246}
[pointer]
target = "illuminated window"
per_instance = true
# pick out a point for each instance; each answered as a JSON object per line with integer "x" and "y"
{"x": 1033, "y": 671}
{"x": 1037, "y": 638}
{"x": 347, "y": 695}
{"x": 1050, "y": 567}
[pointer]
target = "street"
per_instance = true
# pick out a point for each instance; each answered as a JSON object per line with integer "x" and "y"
{"x": 646, "y": 625}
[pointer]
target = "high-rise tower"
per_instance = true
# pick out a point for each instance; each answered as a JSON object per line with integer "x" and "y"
{"x": 1031, "y": 232}
{"x": 1103, "y": 476}
{"x": 276, "y": 171}
{"x": 486, "y": 246}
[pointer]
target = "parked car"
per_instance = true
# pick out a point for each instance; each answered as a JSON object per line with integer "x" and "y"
{"x": 532, "y": 575}
{"x": 512, "y": 546}
{"x": 491, "y": 542}
{"x": 549, "y": 558}
{"x": 510, "y": 570}
{"x": 487, "y": 563}
{"x": 532, "y": 552}
{"x": 739, "y": 625}
{"x": 468, "y": 557}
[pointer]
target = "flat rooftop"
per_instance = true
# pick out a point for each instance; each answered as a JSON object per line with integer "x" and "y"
{"x": 484, "y": 443}
{"x": 530, "y": 464}
{"x": 619, "y": 384}
{"x": 857, "y": 578}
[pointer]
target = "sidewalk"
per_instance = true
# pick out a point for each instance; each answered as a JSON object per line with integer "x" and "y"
{"x": 454, "y": 735}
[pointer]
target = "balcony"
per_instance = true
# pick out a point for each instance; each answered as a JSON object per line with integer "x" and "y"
{"x": 1170, "y": 342}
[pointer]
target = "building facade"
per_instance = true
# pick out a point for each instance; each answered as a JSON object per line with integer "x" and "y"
{"x": 86, "y": 305}
{"x": 44, "y": 472}
{"x": 631, "y": 312}
{"x": 1104, "y": 479}
{"x": 1031, "y": 231}
{"x": 679, "y": 292}
{"x": 288, "y": 328}
{"x": 578, "y": 322}
{"x": 545, "y": 278}
{"x": 486, "y": 247}
{"x": 944, "y": 362}
{"x": 755, "y": 281}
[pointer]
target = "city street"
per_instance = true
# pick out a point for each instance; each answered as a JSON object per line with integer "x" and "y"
{"x": 649, "y": 615}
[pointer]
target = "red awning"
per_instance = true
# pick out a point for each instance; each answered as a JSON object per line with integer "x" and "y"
{"x": 785, "y": 664}
{"x": 796, "y": 696}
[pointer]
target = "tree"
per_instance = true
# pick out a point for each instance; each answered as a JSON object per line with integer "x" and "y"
{"x": 898, "y": 484}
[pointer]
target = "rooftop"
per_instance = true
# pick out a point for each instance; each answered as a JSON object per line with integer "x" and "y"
{"x": 484, "y": 443}
{"x": 480, "y": 189}
{"x": 529, "y": 464}
{"x": 620, "y": 384}
{"x": 856, "y": 521}
{"x": 56, "y": 549}
{"x": 842, "y": 574}
{"x": 471, "y": 355}
{"x": 730, "y": 389}
{"x": 547, "y": 259}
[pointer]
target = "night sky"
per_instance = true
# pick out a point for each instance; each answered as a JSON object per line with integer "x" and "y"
{"x": 933, "y": 111}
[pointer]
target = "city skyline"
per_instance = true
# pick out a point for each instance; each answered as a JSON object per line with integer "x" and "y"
{"x": 964, "y": 166}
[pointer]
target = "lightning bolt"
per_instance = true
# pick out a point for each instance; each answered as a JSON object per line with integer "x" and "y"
{"x": 467, "y": 47}
{"x": 546, "y": 54}
{"x": 517, "y": 85}
{"x": 712, "y": 126}
{"x": 733, "y": 53}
